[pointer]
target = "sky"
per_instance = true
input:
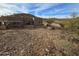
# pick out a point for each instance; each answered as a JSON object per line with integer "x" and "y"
{"x": 58, "y": 10}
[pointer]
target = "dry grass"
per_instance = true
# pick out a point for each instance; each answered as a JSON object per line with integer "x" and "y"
{"x": 40, "y": 41}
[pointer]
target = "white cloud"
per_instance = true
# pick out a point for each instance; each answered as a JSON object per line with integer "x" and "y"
{"x": 23, "y": 9}
{"x": 6, "y": 9}
{"x": 42, "y": 7}
{"x": 10, "y": 8}
{"x": 56, "y": 16}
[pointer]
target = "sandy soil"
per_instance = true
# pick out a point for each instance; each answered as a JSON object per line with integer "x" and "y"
{"x": 38, "y": 42}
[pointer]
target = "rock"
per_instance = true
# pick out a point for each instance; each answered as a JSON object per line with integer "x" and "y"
{"x": 46, "y": 50}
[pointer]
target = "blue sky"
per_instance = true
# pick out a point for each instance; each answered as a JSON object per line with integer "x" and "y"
{"x": 59, "y": 10}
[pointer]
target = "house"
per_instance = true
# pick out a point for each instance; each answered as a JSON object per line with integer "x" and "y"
{"x": 37, "y": 21}
{"x": 19, "y": 22}
{"x": 4, "y": 24}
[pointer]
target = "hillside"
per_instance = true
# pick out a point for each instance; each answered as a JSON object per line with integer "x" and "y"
{"x": 38, "y": 42}
{"x": 70, "y": 24}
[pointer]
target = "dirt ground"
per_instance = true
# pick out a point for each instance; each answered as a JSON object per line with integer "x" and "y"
{"x": 38, "y": 42}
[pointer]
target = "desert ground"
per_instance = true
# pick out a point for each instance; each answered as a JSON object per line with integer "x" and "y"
{"x": 38, "y": 42}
